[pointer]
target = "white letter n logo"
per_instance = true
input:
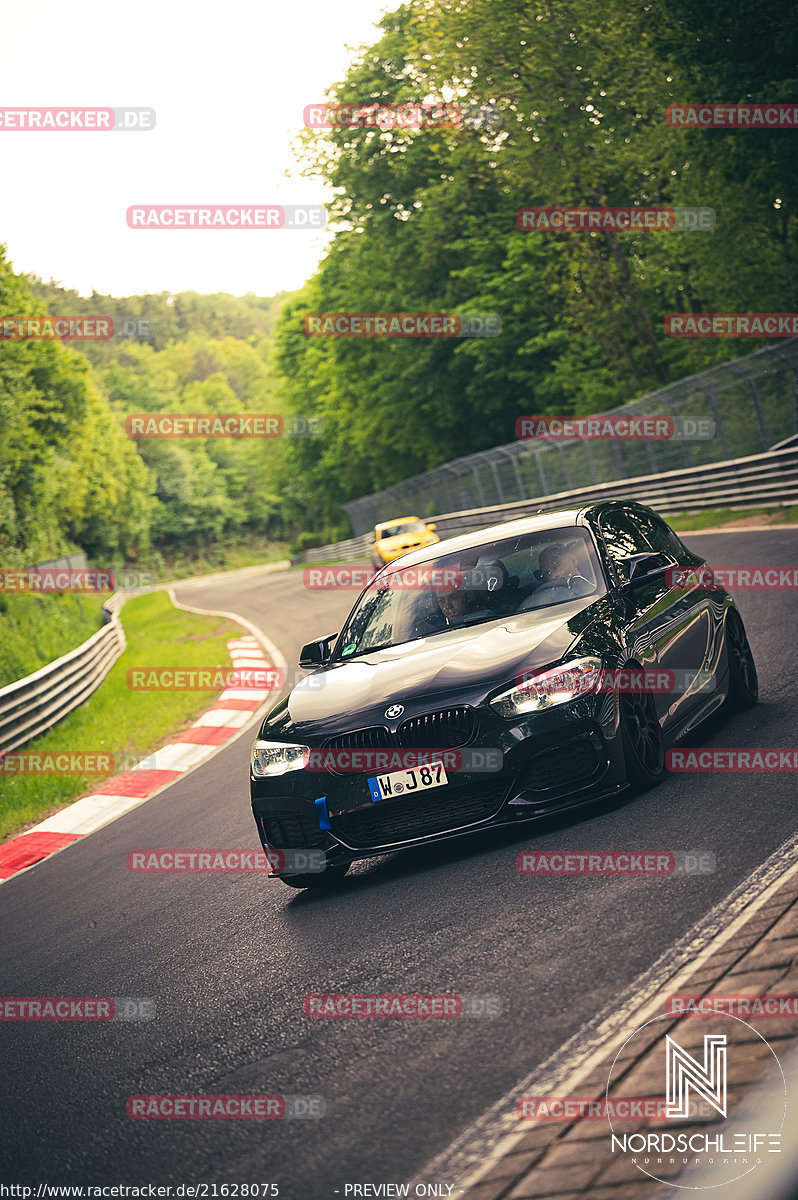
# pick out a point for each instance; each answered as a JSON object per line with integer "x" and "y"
{"x": 684, "y": 1072}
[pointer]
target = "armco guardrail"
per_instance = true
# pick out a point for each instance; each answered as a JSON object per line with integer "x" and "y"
{"x": 338, "y": 552}
{"x": 752, "y": 402}
{"x": 32, "y": 705}
{"x": 759, "y": 479}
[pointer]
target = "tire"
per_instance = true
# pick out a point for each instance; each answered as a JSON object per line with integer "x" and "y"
{"x": 743, "y": 681}
{"x": 643, "y": 743}
{"x": 330, "y": 877}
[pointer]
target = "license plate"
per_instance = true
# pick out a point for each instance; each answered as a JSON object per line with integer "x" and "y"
{"x": 400, "y": 783}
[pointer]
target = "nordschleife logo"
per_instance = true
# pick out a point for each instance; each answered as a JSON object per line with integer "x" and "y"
{"x": 702, "y": 1131}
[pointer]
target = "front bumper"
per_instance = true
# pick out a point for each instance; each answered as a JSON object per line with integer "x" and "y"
{"x": 549, "y": 761}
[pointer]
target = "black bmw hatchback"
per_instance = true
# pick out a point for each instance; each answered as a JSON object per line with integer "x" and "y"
{"x": 494, "y": 678}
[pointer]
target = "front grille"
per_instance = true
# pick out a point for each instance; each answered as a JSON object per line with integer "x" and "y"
{"x": 419, "y": 816}
{"x": 436, "y": 730}
{"x": 284, "y": 830}
{"x": 560, "y": 767}
{"x": 442, "y": 730}
{"x": 377, "y": 737}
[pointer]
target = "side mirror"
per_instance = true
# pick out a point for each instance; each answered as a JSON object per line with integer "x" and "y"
{"x": 316, "y": 654}
{"x": 431, "y": 525}
{"x": 636, "y": 567}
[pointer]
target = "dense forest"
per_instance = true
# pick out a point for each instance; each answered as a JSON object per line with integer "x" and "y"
{"x": 71, "y": 478}
{"x": 425, "y": 220}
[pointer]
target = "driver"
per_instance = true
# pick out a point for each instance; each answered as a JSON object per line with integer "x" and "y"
{"x": 454, "y": 605}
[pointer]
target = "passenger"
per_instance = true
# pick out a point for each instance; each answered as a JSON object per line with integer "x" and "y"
{"x": 560, "y": 579}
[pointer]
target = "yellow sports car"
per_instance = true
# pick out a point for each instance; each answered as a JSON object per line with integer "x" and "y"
{"x": 392, "y": 539}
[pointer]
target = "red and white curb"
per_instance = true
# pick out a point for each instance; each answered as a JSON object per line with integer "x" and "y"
{"x": 223, "y": 721}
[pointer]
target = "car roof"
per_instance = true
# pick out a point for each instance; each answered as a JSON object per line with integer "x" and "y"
{"x": 492, "y": 533}
{"x": 539, "y": 523}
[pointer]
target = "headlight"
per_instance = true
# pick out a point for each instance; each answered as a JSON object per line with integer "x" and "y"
{"x": 276, "y": 758}
{"x": 544, "y": 689}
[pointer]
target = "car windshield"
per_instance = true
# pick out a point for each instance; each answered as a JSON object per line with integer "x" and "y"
{"x": 501, "y": 578}
{"x": 402, "y": 527}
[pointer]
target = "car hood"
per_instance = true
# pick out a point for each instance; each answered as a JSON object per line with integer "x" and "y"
{"x": 461, "y": 665}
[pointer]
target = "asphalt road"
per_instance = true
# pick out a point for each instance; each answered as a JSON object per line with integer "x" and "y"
{"x": 229, "y": 958}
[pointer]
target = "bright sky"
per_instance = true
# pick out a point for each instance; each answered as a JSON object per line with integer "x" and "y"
{"x": 228, "y": 82}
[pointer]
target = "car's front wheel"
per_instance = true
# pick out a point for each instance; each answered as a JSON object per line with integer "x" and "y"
{"x": 743, "y": 681}
{"x": 330, "y": 877}
{"x": 643, "y": 744}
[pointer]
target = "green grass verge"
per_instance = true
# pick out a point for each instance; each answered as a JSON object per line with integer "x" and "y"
{"x": 35, "y": 629}
{"x": 116, "y": 720}
{"x": 711, "y": 517}
{"x": 169, "y": 567}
